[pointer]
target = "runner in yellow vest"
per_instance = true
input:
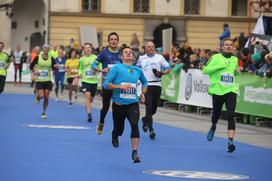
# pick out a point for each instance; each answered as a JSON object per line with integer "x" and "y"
{"x": 89, "y": 77}
{"x": 42, "y": 66}
{"x": 4, "y": 64}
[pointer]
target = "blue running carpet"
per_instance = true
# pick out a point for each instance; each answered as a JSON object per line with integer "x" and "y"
{"x": 65, "y": 147}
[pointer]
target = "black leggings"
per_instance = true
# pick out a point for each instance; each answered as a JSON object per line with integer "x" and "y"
{"x": 106, "y": 98}
{"x": 230, "y": 102}
{"x": 2, "y": 83}
{"x": 152, "y": 99}
{"x": 120, "y": 113}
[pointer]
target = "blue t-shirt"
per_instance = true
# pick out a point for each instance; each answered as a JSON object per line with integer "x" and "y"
{"x": 125, "y": 74}
{"x": 107, "y": 58}
{"x": 60, "y": 71}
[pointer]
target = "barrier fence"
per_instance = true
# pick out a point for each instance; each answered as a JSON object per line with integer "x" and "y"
{"x": 191, "y": 88}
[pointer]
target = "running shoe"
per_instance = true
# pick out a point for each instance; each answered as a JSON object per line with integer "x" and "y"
{"x": 70, "y": 105}
{"x": 210, "y": 134}
{"x": 135, "y": 157}
{"x": 99, "y": 128}
{"x": 76, "y": 98}
{"x": 114, "y": 141}
{"x": 89, "y": 117}
{"x": 231, "y": 147}
{"x": 44, "y": 116}
{"x": 152, "y": 135}
{"x": 144, "y": 125}
{"x": 56, "y": 99}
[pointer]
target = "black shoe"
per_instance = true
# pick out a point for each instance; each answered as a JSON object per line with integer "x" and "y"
{"x": 144, "y": 126}
{"x": 135, "y": 157}
{"x": 114, "y": 141}
{"x": 152, "y": 135}
{"x": 231, "y": 147}
{"x": 89, "y": 117}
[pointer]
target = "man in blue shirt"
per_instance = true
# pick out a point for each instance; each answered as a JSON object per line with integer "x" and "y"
{"x": 123, "y": 79}
{"x": 108, "y": 57}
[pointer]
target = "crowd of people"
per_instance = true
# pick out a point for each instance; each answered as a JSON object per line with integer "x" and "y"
{"x": 122, "y": 67}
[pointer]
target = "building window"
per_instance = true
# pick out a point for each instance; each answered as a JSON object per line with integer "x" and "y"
{"x": 91, "y": 5}
{"x": 141, "y": 6}
{"x": 239, "y": 8}
{"x": 192, "y": 7}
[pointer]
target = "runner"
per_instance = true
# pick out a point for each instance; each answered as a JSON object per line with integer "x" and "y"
{"x": 122, "y": 79}
{"x": 4, "y": 64}
{"x": 108, "y": 57}
{"x": 42, "y": 66}
{"x": 17, "y": 58}
{"x": 72, "y": 68}
{"x": 59, "y": 73}
{"x": 153, "y": 66}
{"x": 89, "y": 77}
{"x": 222, "y": 68}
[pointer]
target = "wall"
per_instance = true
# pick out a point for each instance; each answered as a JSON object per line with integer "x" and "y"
{"x": 65, "y": 6}
{"x": 164, "y": 7}
{"x": 64, "y": 27}
{"x": 216, "y": 8}
{"x": 116, "y": 6}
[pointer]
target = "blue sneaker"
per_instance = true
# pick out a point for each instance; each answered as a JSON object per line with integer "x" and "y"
{"x": 231, "y": 147}
{"x": 210, "y": 134}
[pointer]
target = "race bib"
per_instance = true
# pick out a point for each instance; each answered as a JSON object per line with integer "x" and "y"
{"x": 43, "y": 74}
{"x": 17, "y": 60}
{"x": 227, "y": 79}
{"x": 89, "y": 73}
{"x": 2, "y": 65}
{"x": 61, "y": 68}
{"x": 130, "y": 93}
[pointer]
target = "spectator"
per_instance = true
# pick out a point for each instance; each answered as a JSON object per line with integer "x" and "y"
{"x": 135, "y": 43}
{"x": 225, "y": 33}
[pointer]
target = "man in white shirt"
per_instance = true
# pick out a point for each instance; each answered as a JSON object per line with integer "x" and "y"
{"x": 153, "y": 66}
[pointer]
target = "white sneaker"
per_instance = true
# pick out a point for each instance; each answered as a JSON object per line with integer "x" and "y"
{"x": 70, "y": 105}
{"x": 56, "y": 99}
{"x": 76, "y": 98}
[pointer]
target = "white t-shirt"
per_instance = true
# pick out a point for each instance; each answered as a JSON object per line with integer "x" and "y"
{"x": 148, "y": 63}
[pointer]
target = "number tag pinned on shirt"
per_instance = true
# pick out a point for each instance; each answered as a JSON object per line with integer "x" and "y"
{"x": 130, "y": 93}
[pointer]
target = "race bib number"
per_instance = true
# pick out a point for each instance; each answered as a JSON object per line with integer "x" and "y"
{"x": 227, "y": 79}
{"x": 17, "y": 60}
{"x": 2, "y": 65}
{"x": 43, "y": 74}
{"x": 89, "y": 73}
{"x": 61, "y": 68}
{"x": 130, "y": 93}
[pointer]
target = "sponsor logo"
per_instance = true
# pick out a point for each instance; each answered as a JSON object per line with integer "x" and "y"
{"x": 258, "y": 95}
{"x": 188, "y": 86}
{"x": 196, "y": 174}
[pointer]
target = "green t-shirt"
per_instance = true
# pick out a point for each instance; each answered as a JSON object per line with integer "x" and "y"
{"x": 44, "y": 67}
{"x": 222, "y": 71}
{"x": 88, "y": 75}
{"x": 4, "y": 62}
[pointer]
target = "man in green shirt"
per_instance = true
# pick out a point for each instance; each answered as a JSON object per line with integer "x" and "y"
{"x": 89, "y": 77}
{"x": 4, "y": 64}
{"x": 221, "y": 69}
